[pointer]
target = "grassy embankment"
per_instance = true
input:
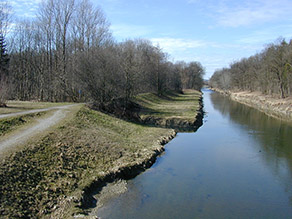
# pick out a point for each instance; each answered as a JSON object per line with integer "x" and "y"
{"x": 54, "y": 176}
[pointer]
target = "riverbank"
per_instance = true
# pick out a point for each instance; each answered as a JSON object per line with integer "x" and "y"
{"x": 54, "y": 177}
{"x": 272, "y": 106}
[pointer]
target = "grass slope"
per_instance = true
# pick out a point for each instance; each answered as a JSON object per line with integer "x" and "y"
{"x": 173, "y": 110}
{"x": 48, "y": 178}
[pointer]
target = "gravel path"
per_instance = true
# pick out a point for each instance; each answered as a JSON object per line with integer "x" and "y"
{"x": 42, "y": 125}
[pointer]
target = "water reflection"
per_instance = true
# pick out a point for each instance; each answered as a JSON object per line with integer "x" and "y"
{"x": 274, "y": 136}
{"x": 237, "y": 165}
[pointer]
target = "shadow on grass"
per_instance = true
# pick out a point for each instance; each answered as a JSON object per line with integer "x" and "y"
{"x": 142, "y": 111}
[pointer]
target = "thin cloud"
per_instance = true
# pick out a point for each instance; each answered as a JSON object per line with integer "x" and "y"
{"x": 25, "y": 8}
{"x": 193, "y": 1}
{"x": 194, "y": 50}
{"x": 267, "y": 35}
{"x": 123, "y": 31}
{"x": 251, "y": 12}
{"x": 174, "y": 44}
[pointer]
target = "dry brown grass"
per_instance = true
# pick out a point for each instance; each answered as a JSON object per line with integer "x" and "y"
{"x": 272, "y": 106}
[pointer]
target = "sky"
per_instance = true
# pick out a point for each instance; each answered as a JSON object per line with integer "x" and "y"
{"x": 213, "y": 32}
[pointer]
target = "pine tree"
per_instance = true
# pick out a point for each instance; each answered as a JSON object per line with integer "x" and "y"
{"x": 4, "y": 58}
{"x": 4, "y": 64}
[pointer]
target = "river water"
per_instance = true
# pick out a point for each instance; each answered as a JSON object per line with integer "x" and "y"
{"x": 237, "y": 165}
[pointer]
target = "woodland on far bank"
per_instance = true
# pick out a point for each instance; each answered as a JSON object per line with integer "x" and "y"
{"x": 268, "y": 72}
{"x": 67, "y": 53}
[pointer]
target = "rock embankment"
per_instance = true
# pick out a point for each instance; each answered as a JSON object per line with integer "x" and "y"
{"x": 272, "y": 106}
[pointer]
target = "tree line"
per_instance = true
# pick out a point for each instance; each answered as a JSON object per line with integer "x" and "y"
{"x": 67, "y": 53}
{"x": 269, "y": 72}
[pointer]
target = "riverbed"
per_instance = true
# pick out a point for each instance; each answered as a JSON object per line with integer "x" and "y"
{"x": 237, "y": 165}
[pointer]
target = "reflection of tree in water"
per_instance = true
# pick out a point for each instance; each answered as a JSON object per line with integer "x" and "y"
{"x": 274, "y": 136}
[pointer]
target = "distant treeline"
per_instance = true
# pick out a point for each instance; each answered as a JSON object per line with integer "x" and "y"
{"x": 67, "y": 53}
{"x": 269, "y": 72}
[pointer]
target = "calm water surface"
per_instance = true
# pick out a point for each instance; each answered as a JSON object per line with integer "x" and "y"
{"x": 237, "y": 165}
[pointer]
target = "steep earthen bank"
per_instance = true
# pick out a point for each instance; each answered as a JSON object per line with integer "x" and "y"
{"x": 276, "y": 107}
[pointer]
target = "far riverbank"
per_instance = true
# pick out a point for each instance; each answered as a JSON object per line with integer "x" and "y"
{"x": 272, "y": 106}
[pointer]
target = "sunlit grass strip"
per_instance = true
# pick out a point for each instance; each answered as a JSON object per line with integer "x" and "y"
{"x": 171, "y": 105}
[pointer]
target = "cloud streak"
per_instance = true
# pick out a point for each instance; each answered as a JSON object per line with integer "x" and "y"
{"x": 124, "y": 31}
{"x": 25, "y": 8}
{"x": 178, "y": 44}
{"x": 266, "y": 35}
{"x": 195, "y": 50}
{"x": 252, "y": 12}
{"x": 230, "y": 13}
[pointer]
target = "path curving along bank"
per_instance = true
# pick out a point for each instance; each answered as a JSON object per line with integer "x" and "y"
{"x": 21, "y": 137}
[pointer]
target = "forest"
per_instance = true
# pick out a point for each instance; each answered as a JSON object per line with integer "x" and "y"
{"x": 67, "y": 53}
{"x": 268, "y": 72}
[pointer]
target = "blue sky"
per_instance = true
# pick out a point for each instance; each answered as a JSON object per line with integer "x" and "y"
{"x": 213, "y": 32}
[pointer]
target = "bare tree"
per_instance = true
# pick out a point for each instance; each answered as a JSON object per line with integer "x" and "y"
{"x": 68, "y": 53}
{"x": 5, "y": 12}
{"x": 46, "y": 22}
{"x": 90, "y": 26}
{"x": 5, "y": 17}
{"x": 63, "y": 11}
{"x": 268, "y": 72}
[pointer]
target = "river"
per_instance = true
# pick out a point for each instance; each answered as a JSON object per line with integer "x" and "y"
{"x": 237, "y": 165}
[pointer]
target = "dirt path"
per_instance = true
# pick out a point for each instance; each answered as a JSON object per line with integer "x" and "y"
{"x": 41, "y": 125}
{"x": 2, "y": 116}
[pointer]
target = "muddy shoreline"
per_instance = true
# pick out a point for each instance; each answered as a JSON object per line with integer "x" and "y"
{"x": 271, "y": 106}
